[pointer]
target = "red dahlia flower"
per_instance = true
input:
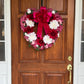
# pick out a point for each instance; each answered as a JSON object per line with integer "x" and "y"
{"x": 28, "y": 30}
{"x": 30, "y": 17}
{"x": 40, "y": 42}
{"x": 53, "y": 34}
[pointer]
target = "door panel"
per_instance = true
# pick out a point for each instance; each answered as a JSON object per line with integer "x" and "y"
{"x": 55, "y": 78}
{"x": 29, "y": 78}
{"x": 47, "y": 66}
{"x": 57, "y": 53}
{"x": 59, "y": 5}
{"x": 28, "y": 4}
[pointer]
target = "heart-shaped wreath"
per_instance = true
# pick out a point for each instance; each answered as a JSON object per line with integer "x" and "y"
{"x": 46, "y": 19}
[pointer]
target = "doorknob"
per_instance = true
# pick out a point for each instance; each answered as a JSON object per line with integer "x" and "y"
{"x": 69, "y": 68}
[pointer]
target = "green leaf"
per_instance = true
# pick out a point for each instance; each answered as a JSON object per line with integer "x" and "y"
{"x": 29, "y": 45}
{"x": 55, "y": 11}
{"x": 23, "y": 22}
{"x": 25, "y": 26}
{"x": 37, "y": 49}
{"x": 24, "y": 33}
{"x": 26, "y": 13}
{"x": 31, "y": 11}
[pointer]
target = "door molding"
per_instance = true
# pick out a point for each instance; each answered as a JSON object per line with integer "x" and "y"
{"x": 77, "y": 39}
{"x": 7, "y": 8}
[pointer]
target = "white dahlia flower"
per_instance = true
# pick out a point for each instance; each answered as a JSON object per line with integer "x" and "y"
{"x": 47, "y": 39}
{"x": 54, "y": 24}
{"x": 31, "y": 36}
{"x": 28, "y": 11}
{"x": 30, "y": 23}
{"x": 53, "y": 12}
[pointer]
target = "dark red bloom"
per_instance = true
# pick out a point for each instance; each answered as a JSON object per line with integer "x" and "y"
{"x": 53, "y": 34}
{"x": 40, "y": 42}
{"x": 28, "y": 30}
{"x": 30, "y": 17}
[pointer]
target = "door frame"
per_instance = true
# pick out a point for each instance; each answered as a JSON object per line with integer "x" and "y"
{"x": 78, "y": 65}
{"x": 7, "y": 8}
{"x": 76, "y": 42}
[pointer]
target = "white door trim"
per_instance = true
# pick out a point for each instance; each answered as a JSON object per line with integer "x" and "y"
{"x": 7, "y": 8}
{"x": 77, "y": 40}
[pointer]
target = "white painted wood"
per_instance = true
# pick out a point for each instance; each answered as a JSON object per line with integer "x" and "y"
{"x": 82, "y": 41}
{"x": 2, "y": 40}
{"x": 3, "y": 69}
{"x": 78, "y": 65}
{"x": 8, "y": 40}
{"x": 3, "y": 79}
{"x": 81, "y": 80}
{"x": 1, "y": 19}
{"x": 5, "y": 66}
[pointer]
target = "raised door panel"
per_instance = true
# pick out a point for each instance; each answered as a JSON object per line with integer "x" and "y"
{"x": 24, "y": 4}
{"x": 59, "y": 5}
{"x": 29, "y": 78}
{"x": 26, "y": 53}
{"x": 55, "y": 78}
{"x": 57, "y": 53}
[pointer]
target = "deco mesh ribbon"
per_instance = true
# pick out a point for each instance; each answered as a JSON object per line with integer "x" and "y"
{"x": 44, "y": 19}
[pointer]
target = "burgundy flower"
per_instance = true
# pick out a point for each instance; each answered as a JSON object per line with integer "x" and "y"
{"x": 53, "y": 34}
{"x": 28, "y": 30}
{"x": 30, "y": 17}
{"x": 40, "y": 42}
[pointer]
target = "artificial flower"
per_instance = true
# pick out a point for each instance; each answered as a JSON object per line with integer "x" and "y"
{"x": 54, "y": 24}
{"x": 40, "y": 42}
{"x": 47, "y": 39}
{"x": 59, "y": 29}
{"x": 56, "y": 16}
{"x": 46, "y": 46}
{"x": 53, "y": 12}
{"x": 26, "y": 38}
{"x": 22, "y": 22}
{"x": 58, "y": 35}
{"x": 42, "y": 47}
{"x": 31, "y": 36}
{"x": 28, "y": 11}
{"x": 33, "y": 42}
{"x": 28, "y": 29}
{"x": 29, "y": 23}
{"x": 53, "y": 34}
{"x": 30, "y": 17}
{"x": 37, "y": 45}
